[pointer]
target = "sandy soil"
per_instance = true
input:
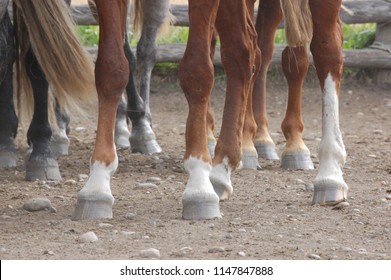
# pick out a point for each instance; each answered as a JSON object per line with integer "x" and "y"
{"x": 269, "y": 216}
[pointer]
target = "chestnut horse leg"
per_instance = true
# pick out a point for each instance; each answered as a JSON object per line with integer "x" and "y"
{"x": 269, "y": 17}
{"x": 95, "y": 200}
{"x": 295, "y": 63}
{"x": 241, "y": 59}
{"x": 326, "y": 48}
{"x": 196, "y": 74}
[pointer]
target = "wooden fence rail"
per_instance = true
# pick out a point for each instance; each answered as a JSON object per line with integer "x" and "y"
{"x": 377, "y": 56}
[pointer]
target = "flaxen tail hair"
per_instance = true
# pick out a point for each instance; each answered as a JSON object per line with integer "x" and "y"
{"x": 298, "y": 22}
{"x": 47, "y": 26}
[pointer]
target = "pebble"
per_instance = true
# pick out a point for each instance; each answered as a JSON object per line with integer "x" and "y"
{"x": 211, "y": 226}
{"x": 88, "y": 237}
{"x": 185, "y": 251}
{"x": 128, "y": 232}
{"x": 388, "y": 197}
{"x": 60, "y": 197}
{"x": 241, "y": 254}
{"x": 216, "y": 250}
{"x": 313, "y": 256}
{"x": 39, "y": 204}
{"x": 82, "y": 177}
{"x": 372, "y": 156}
{"x": 150, "y": 253}
{"x": 146, "y": 185}
{"x": 309, "y": 187}
{"x": 153, "y": 179}
{"x": 105, "y": 225}
{"x": 70, "y": 182}
{"x": 341, "y": 205}
{"x": 48, "y": 252}
{"x": 130, "y": 216}
{"x": 80, "y": 129}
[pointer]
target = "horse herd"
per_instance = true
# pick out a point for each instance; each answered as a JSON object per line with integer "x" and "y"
{"x": 53, "y": 59}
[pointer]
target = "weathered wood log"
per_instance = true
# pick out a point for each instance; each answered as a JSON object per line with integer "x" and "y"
{"x": 365, "y": 58}
{"x": 356, "y": 12}
{"x": 383, "y": 41}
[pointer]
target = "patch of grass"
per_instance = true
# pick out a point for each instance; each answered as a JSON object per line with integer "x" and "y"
{"x": 358, "y": 36}
{"x": 89, "y": 34}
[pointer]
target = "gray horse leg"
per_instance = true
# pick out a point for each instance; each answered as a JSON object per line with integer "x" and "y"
{"x": 8, "y": 118}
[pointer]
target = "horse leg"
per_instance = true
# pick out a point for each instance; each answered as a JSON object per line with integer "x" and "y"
{"x": 60, "y": 141}
{"x": 249, "y": 152}
{"x": 210, "y": 116}
{"x": 268, "y": 19}
{"x": 95, "y": 201}
{"x": 143, "y": 138}
{"x": 295, "y": 63}
{"x": 40, "y": 164}
{"x": 241, "y": 60}
{"x": 121, "y": 133}
{"x": 196, "y": 74}
{"x": 326, "y": 48}
{"x": 8, "y": 118}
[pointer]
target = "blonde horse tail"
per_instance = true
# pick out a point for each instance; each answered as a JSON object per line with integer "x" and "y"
{"x": 49, "y": 30}
{"x": 298, "y": 22}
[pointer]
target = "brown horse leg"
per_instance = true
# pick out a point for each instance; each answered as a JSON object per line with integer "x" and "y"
{"x": 196, "y": 76}
{"x": 241, "y": 59}
{"x": 326, "y": 48}
{"x": 296, "y": 155}
{"x": 269, "y": 17}
{"x": 95, "y": 200}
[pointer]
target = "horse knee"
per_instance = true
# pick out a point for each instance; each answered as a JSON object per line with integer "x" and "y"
{"x": 111, "y": 76}
{"x": 295, "y": 63}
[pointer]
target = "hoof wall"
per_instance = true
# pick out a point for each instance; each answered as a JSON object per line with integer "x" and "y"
{"x": 296, "y": 161}
{"x": 93, "y": 210}
{"x": 250, "y": 161}
{"x": 205, "y": 210}
{"x": 329, "y": 193}
{"x": 267, "y": 151}
{"x": 8, "y": 159}
{"x": 145, "y": 147}
{"x": 59, "y": 148}
{"x": 45, "y": 170}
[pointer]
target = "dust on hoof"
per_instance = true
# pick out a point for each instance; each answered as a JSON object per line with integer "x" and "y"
{"x": 297, "y": 161}
{"x": 200, "y": 210}
{"x": 87, "y": 209}
{"x": 250, "y": 160}
{"x": 122, "y": 141}
{"x": 267, "y": 151}
{"x": 329, "y": 192}
{"x": 45, "y": 169}
{"x": 8, "y": 159}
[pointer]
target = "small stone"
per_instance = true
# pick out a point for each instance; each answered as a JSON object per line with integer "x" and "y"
{"x": 346, "y": 249}
{"x": 2, "y": 249}
{"x": 313, "y": 256}
{"x": 48, "y": 252}
{"x": 388, "y": 197}
{"x": 241, "y": 254}
{"x": 80, "y": 129}
{"x": 70, "y": 182}
{"x": 150, "y": 253}
{"x": 360, "y": 114}
{"x": 39, "y": 204}
{"x": 82, "y": 177}
{"x": 214, "y": 250}
{"x": 363, "y": 251}
{"x": 146, "y": 185}
{"x": 372, "y": 156}
{"x": 341, "y": 205}
{"x": 309, "y": 187}
{"x": 128, "y": 232}
{"x": 88, "y": 237}
{"x": 60, "y": 197}
{"x": 211, "y": 226}
{"x": 242, "y": 230}
{"x": 130, "y": 216}
{"x": 185, "y": 251}
{"x": 229, "y": 236}
{"x": 105, "y": 225}
{"x": 153, "y": 180}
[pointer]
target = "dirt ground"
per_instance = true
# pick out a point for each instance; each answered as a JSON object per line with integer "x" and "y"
{"x": 269, "y": 216}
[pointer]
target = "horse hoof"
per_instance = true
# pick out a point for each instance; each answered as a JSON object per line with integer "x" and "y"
{"x": 221, "y": 181}
{"x": 329, "y": 192}
{"x": 145, "y": 146}
{"x": 250, "y": 160}
{"x": 211, "y": 148}
{"x": 205, "y": 208}
{"x": 296, "y": 160}
{"x": 267, "y": 151}
{"x": 8, "y": 159}
{"x": 43, "y": 169}
{"x": 59, "y": 148}
{"x": 93, "y": 209}
{"x": 122, "y": 141}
